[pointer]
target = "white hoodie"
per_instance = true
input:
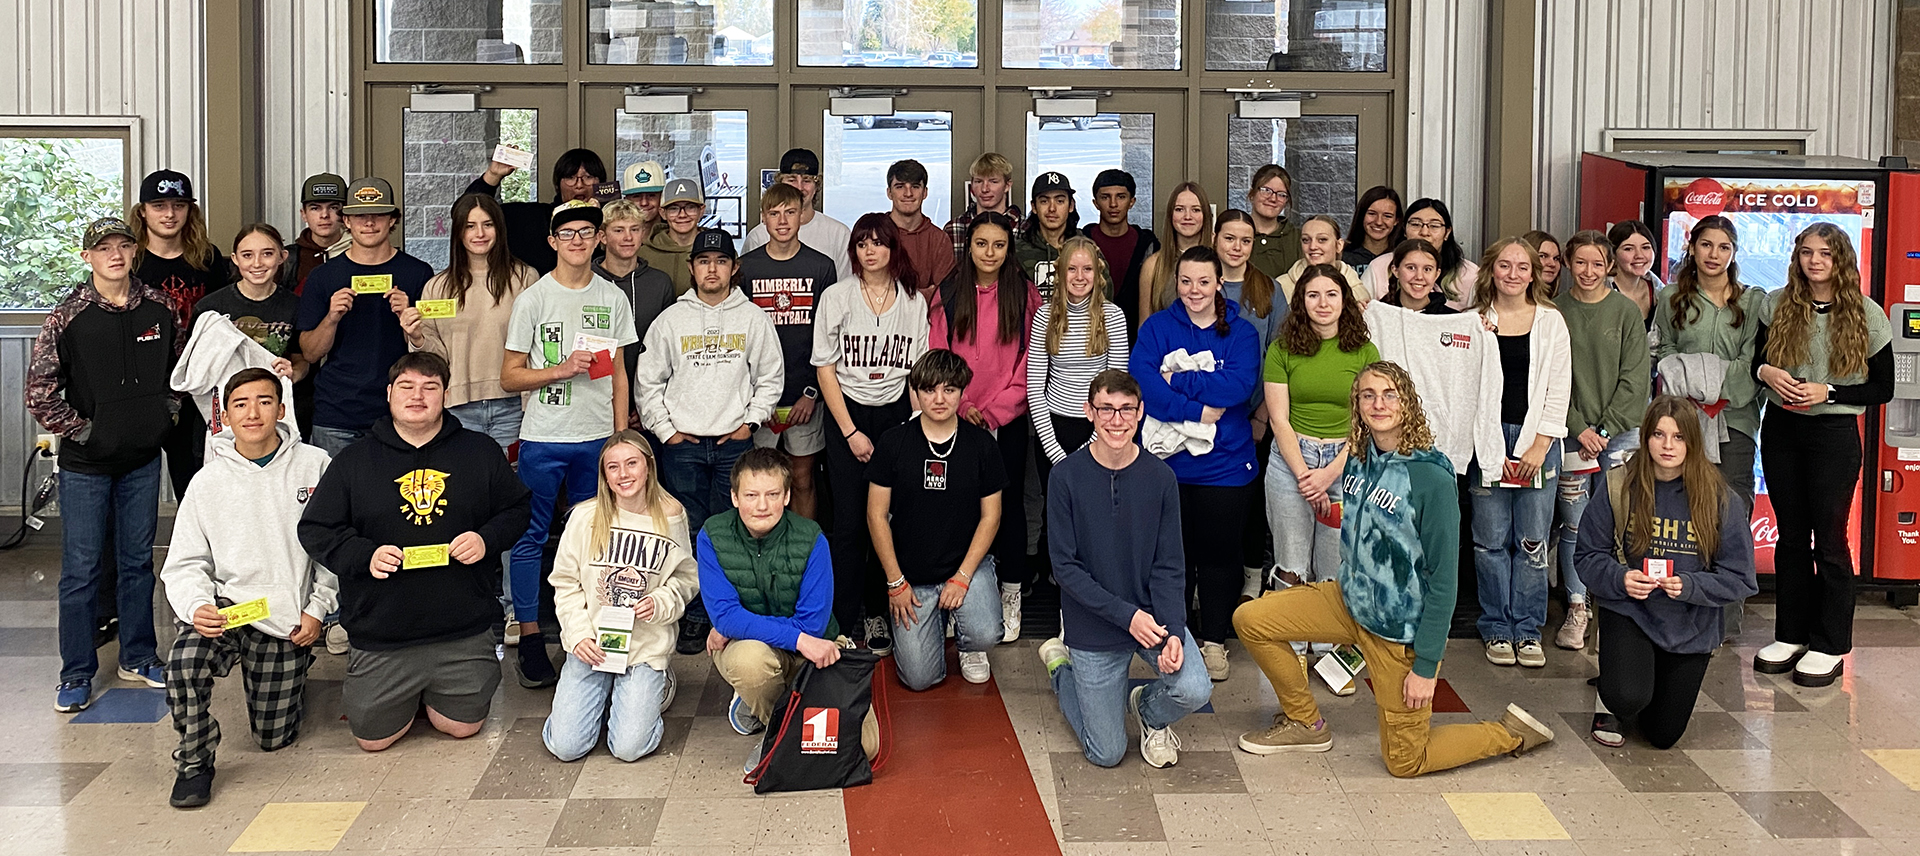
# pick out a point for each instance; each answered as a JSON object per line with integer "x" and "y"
{"x": 233, "y": 536}
{"x": 1455, "y": 366}
{"x": 214, "y": 353}
{"x": 707, "y": 370}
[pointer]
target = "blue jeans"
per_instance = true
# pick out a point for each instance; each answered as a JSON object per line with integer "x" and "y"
{"x": 1093, "y": 696}
{"x": 546, "y": 468}
{"x": 1575, "y": 491}
{"x": 629, "y": 706}
{"x": 699, "y": 473}
{"x": 920, "y": 652}
{"x": 1300, "y": 543}
{"x": 333, "y": 440}
{"x": 86, "y": 501}
{"x": 1511, "y": 526}
{"x": 498, "y": 418}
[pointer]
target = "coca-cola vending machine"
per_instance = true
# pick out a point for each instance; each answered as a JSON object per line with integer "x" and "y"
{"x": 1771, "y": 199}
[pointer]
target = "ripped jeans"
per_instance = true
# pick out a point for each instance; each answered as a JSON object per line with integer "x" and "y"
{"x": 1511, "y": 528}
{"x": 1576, "y": 490}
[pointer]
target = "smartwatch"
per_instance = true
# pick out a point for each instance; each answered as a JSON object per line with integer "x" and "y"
{"x": 811, "y": 392}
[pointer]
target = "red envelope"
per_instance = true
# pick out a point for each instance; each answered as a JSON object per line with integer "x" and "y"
{"x": 1331, "y": 519}
{"x": 602, "y": 365}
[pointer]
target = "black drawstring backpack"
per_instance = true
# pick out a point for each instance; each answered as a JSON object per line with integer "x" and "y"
{"x": 813, "y": 741}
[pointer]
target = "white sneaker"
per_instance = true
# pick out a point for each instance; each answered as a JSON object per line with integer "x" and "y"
{"x": 512, "y": 635}
{"x": 669, "y": 690}
{"x": 1529, "y": 653}
{"x": 1214, "y": 655}
{"x": 1777, "y": 658}
{"x": 1573, "y": 631}
{"x": 1009, "y": 611}
{"x": 1250, "y": 584}
{"x": 1818, "y": 670}
{"x": 1054, "y": 654}
{"x": 1159, "y": 747}
{"x": 337, "y": 642}
{"x": 1500, "y": 652}
{"x": 975, "y": 667}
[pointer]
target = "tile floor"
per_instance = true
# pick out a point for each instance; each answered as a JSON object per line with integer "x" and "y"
{"x": 1766, "y": 768}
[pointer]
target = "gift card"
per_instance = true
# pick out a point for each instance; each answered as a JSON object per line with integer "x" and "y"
{"x": 437, "y": 308}
{"x": 373, "y": 283}
{"x": 516, "y": 158}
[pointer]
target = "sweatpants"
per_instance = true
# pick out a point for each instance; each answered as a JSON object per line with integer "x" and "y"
{"x": 1010, "y": 543}
{"x": 1212, "y": 520}
{"x": 761, "y": 675}
{"x": 859, "y": 585}
{"x": 273, "y": 672}
{"x": 1316, "y": 612}
{"x": 1812, "y": 465}
{"x": 1644, "y": 685}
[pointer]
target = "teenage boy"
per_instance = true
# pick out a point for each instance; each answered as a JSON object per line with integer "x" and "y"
{"x": 649, "y": 290}
{"x": 989, "y": 188}
{"x": 642, "y": 185}
{"x": 575, "y": 175}
{"x": 321, "y": 197}
{"x": 1052, "y": 220}
{"x": 1123, "y": 244}
{"x": 938, "y": 480}
{"x": 1399, "y": 540}
{"x": 785, "y": 277}
{"x": 234, "y": 544}
{"x": 929, "y": 249}
{"x": 98, "y": 379}
{"x": 800, "y": 169}
{"x": 177, "y": 260}
{"x": 709, "y": 376}
{"x": 1113, "y": 523}
{"x": 566, "y": 344}
{"x": 413, "y": 520}
{"x": 768, "y": 581}
{"x": 353, "y": 314}
{"x": 681, "y": 207}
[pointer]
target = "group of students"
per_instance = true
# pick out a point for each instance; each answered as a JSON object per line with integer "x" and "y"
{"x": 1260, "y": 428}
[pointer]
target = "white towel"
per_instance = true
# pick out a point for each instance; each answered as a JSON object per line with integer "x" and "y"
{"x": 1166, "y": 439}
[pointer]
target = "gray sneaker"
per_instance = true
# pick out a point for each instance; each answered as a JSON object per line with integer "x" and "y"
{"x": 1159, "y": 747}
{"x": 1287, "y": 735}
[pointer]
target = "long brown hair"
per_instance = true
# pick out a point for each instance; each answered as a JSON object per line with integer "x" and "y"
{"x": 1256, "y": 288}
{"x": 501, "y": 265}
{"x": 1483, "y": 290}
{"x": 1686, "y": 281}
{"x": 1160, "y": 276}
{"x": 1415, "y": 432}
{"x": 1707, "y": 493}
{"x": 660, "y": 506}
{"x": 1400, "y": 253}
{"x": 1096, "y": 302}
{"x": 1222, "y": 319}
{"x": 1792, "y": 327}
{"x": 964, "y": 303}
{"x": 879, "y": 228}
{"x": 1296, "y": 330}
{"x": 196, "y": 249}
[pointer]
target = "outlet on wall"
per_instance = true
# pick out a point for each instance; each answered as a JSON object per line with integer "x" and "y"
{"x": 48, "y": 442}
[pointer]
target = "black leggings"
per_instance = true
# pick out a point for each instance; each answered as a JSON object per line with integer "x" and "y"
{"x": 1644, "y": 685}
{"x": 1010, "y": 543}
{"x": 1072, "y": 432}
{"x": 859, "y": 585}
{"x": 1812, "y": 465}
{"x": 1211, "y": 520}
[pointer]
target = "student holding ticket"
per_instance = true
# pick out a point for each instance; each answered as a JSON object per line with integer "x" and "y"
{"x": 565, "y": 344}
{"x": 1663, "y": 550}
{"x": 413, "y": 521}
{"x": 234, "y": 557}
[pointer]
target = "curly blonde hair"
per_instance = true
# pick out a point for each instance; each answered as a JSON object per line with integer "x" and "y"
{"x": 1415, "y": 432}
{"x": 1787, "y": 342}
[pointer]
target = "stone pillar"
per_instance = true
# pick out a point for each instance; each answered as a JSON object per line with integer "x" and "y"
{"x": 442, "y": 154}
{"x": 1019, "y": 33}
{"x": 823, "y": 31}
{"x": 1240, "y": 34}
{"x": 1149, "y": 35}
{"x": 1136, "y": 157}
{"x": 1321, "y": 156}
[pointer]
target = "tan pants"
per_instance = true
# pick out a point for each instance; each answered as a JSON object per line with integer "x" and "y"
{"x": 762, "y": 674}
{"x": 1409, "y": 743}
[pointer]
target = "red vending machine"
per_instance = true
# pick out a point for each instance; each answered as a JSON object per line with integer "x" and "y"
{"x": 1770, "y": 199}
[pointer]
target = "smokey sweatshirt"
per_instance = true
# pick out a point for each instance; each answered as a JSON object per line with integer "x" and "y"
{"x": 707, "y": 370}
{"x": 639, "y": 562}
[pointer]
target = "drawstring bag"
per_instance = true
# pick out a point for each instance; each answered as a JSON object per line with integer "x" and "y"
{"x": 813, "y": 741}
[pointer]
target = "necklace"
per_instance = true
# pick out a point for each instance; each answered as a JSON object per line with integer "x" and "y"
{"x": 878, "y": 305}
{"x": 951, "y": 441}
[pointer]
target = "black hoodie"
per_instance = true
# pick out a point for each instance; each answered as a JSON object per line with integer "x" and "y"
{"x": 383, "y": 490}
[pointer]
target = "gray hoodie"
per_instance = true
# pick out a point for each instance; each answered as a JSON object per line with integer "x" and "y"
{"x": 706, "y": 370}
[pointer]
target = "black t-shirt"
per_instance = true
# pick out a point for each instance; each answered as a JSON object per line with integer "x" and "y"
{"x": 788, "y": 290}
{"x": 269, "y": 322}
{"x": 183, "y": 282}
{"x": 936, "y": 500}
{"x": 1514, "y": 358}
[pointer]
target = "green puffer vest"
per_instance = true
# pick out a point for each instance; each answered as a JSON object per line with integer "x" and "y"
{"x": 766, "y": 572}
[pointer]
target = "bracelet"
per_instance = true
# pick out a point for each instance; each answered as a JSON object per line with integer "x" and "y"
{"x": 955, "y": 581}
{"x": 848, "y": 435}
{"x": 897, "y": 584}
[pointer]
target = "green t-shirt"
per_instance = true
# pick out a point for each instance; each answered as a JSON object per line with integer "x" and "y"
{"x": 1318, "y": 387}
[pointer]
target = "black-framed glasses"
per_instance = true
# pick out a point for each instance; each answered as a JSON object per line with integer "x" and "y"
{"x": 1107, "y": 413}
{"x": 584, "y": 233}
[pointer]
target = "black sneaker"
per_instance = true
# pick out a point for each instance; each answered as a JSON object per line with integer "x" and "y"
{"x": 192, "y": 790}
{"x": 693, "y": 636}
{"x": 536, "y": 669}
{"x": 107, "y": 631}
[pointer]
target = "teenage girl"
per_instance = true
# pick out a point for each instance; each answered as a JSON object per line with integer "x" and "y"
{"x": 1376, "y": 226}
{"x": 1189, "y": 219}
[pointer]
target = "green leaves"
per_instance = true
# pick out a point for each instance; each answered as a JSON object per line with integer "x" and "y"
{"x": 54, "y": 188}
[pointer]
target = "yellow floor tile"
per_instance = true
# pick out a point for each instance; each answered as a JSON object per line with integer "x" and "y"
{"x": 297, "y": 826}
{"x": 1505, "y": 817}
{"x": 1904, "y": 764}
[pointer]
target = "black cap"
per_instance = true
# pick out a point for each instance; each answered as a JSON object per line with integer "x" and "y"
{"x": 800, "y": 162}
{"x": 1114, "y": 178}
{"x": 325, "y": 187}
{"x": 713, "y": 241}
{"x": 1051, "y": 182}
{"x": 166, "y": 184}
{"x": 576, "y": 211}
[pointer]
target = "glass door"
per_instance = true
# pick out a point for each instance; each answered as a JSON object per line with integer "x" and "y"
{"x": 722, "y": 141}
{"x": 1336, "y": 148}
{"x": 939, "y": 128}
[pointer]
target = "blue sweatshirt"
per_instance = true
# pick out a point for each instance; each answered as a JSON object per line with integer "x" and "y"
{"x": 1230, "y": 385}
{"x": 810, "y": 613}
{"x": 1114, "y": 539}
{"x": 1400, "y": 549}
{"x": 1690, "y": 625}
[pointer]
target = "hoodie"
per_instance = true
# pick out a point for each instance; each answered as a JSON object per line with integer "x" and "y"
{"x": 1455, "y": 363}
{"x": 234, "y": 536}
{"x": 639, "y": 562}
{"x": 214, "y": 353}
{"x": 1691, "y": 624}
{"x": 1230, "y": 385}
{"x": 662, "y": 254}
{"x": 1400, "y": 549}
{"x": 383, "y": 490}
{"x": 98, "y": 378}
{"x": 999, "y": 387}
{"x": 707, "y": 370}
{"x": 649, "y": 292}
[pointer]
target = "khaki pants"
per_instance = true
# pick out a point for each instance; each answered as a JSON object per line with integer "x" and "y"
{"x": 1409, "y": 743}
{"x": 762, "y": 674}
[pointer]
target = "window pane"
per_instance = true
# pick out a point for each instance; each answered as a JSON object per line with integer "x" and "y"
{"x": 680, "y": 32}
{"x": 1318, "y": 151}
{"x": 508, "y": 31}
{"x": 708, "y": 145}
{"x": 916, "y": 33}
{"x": 860, "y": 148}
{"x": 445, "y": 152}
{"x": 1297, "y": 35}
{"x": 1080, "y": 148}
{"x": 1091, "y": 34}
{"x": 55, "y": 186}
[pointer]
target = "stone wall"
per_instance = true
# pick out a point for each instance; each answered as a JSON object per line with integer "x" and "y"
{"x": 442, "y": 154}
{"x": 1318, "y": 151}
{"x": 465, "y": 31}
{"x": 649, "y": 33}
{"x": 1240, "y": 34}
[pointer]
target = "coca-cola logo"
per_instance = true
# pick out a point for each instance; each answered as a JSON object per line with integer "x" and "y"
{"x": 1766, "y": 533}
{"x": 1703, "y": 197}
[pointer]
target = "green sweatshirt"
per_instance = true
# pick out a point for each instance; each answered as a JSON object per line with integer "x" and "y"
{"x": 1710, "y": 330}
{"x": 1610, "y": 372}
{"x": 1275, "y": 252}
{"x": 1400, "y": 548}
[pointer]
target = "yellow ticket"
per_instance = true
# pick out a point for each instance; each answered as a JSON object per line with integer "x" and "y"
{"x": 436, "y": 308}
{"x": 245, "y": 613}
{"x": 377, "y": 283}
{"x": 424, "y": 556}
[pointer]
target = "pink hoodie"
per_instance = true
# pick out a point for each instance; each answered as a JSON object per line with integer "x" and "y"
{"x": 999, "y": 385}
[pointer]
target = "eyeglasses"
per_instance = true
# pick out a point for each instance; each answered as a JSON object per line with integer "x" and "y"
{"x": 1270, "y": 193}
{"x": 1107, "y": 413}
{"x": 1389, "y": 397}
{"x": 1424, "y": 225}
{"x": 584, "y": 233}
{"x": 581, "y": 177}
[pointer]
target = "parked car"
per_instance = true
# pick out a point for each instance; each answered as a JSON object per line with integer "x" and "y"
{"x": 911, "y": 120}
{"x": 1081, "y": 123}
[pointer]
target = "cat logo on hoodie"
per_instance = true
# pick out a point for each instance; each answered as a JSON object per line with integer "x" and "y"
{"x": 422, "y": 489}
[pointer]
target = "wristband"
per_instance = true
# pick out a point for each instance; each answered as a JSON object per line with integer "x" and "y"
{"x": 955, "y": 581}
{"x": 897, "y": 584}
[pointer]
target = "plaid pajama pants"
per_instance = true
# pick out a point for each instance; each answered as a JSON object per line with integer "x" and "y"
{"x": 273, "y": 670}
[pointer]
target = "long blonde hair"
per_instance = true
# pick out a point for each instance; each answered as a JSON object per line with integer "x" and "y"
{"x": 1483, "y": 290}
{"x": 1792, "y": 327}
{"x": 196, "y": 249}
{"x": 1096, "y": 301}
{"x": 1707, "y": 493}
{"x": 605, "y": 505}
{"x": 1415, "y": 432}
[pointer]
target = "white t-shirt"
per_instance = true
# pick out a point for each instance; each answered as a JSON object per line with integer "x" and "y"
{"x": 824, "y": 234}
{"x": 873, "y": 352}
{"x": 550, "y": 321}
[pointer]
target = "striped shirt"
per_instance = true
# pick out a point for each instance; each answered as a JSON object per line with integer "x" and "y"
{"x": 1057, "y": 383}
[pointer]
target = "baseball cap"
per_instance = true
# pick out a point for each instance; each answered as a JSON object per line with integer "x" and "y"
{"x": 166, "y": 184}
{"x": 575, "y": 211}
{"x": 1114, "y": 178}
{"x": 713, "y": 241}
{"x": 644, "y": 177}
{"x": 103, "y": 228}
{"x": 800, "y": 162}
{"x": 1051, "y": 182}
{"x": 682, "y": 190}
{"x": 370, "y": 195}
{"x": 325, "y": 187}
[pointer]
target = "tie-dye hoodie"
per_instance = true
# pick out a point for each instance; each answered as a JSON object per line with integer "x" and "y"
{"x": 1400, "y": 548}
